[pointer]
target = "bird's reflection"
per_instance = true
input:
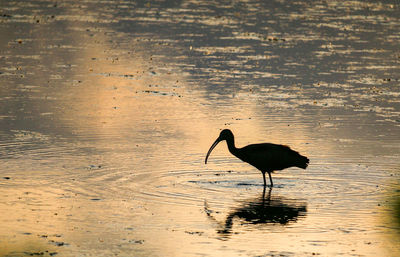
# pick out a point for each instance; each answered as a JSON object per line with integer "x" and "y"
{"x": 262, "y": 210}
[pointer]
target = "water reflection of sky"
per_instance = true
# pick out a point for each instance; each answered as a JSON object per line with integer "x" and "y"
{"x": 107, "y": 110}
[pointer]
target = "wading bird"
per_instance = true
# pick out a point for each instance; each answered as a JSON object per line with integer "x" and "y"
{"x": 266, "y": 157}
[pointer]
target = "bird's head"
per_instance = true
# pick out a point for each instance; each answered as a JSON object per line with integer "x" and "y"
{"x": 225, "y": 134}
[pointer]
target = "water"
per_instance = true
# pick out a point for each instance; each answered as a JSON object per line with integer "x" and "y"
{"x": 108, "y": 109}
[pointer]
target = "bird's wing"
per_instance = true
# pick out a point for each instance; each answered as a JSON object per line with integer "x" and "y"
{"x": 269, "y": 156}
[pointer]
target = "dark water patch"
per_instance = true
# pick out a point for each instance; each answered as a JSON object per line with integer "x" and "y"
{"x": 57, "y": 243}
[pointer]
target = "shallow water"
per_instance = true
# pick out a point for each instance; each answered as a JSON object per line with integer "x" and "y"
{"x": 107, "y": 110}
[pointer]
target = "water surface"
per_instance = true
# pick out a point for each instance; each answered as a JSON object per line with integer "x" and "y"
{"x": 107, "y": 109}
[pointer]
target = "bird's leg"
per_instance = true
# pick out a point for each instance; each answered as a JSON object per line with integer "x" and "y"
{"x": 270, "y": 179}
{"x": 265, "y": 183}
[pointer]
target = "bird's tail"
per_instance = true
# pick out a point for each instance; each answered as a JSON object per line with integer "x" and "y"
{"x": 302, "y": 162}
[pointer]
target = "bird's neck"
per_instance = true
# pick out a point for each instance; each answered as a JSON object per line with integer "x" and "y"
{"x": 231, "y": 145}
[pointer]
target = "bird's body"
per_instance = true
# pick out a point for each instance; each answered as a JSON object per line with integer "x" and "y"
{"x": 266, "y": 157}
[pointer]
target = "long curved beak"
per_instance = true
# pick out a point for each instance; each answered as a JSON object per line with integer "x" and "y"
{"x": 212, "y": 147}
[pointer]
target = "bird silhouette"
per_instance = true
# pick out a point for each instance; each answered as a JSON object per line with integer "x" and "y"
{"x": 266, "y": 157}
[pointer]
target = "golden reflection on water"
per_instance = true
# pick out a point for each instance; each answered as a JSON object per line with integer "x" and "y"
{"x": 122, "y": 94}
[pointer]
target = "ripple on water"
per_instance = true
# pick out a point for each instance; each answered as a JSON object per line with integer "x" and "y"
{"x": 339, "y": 185}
